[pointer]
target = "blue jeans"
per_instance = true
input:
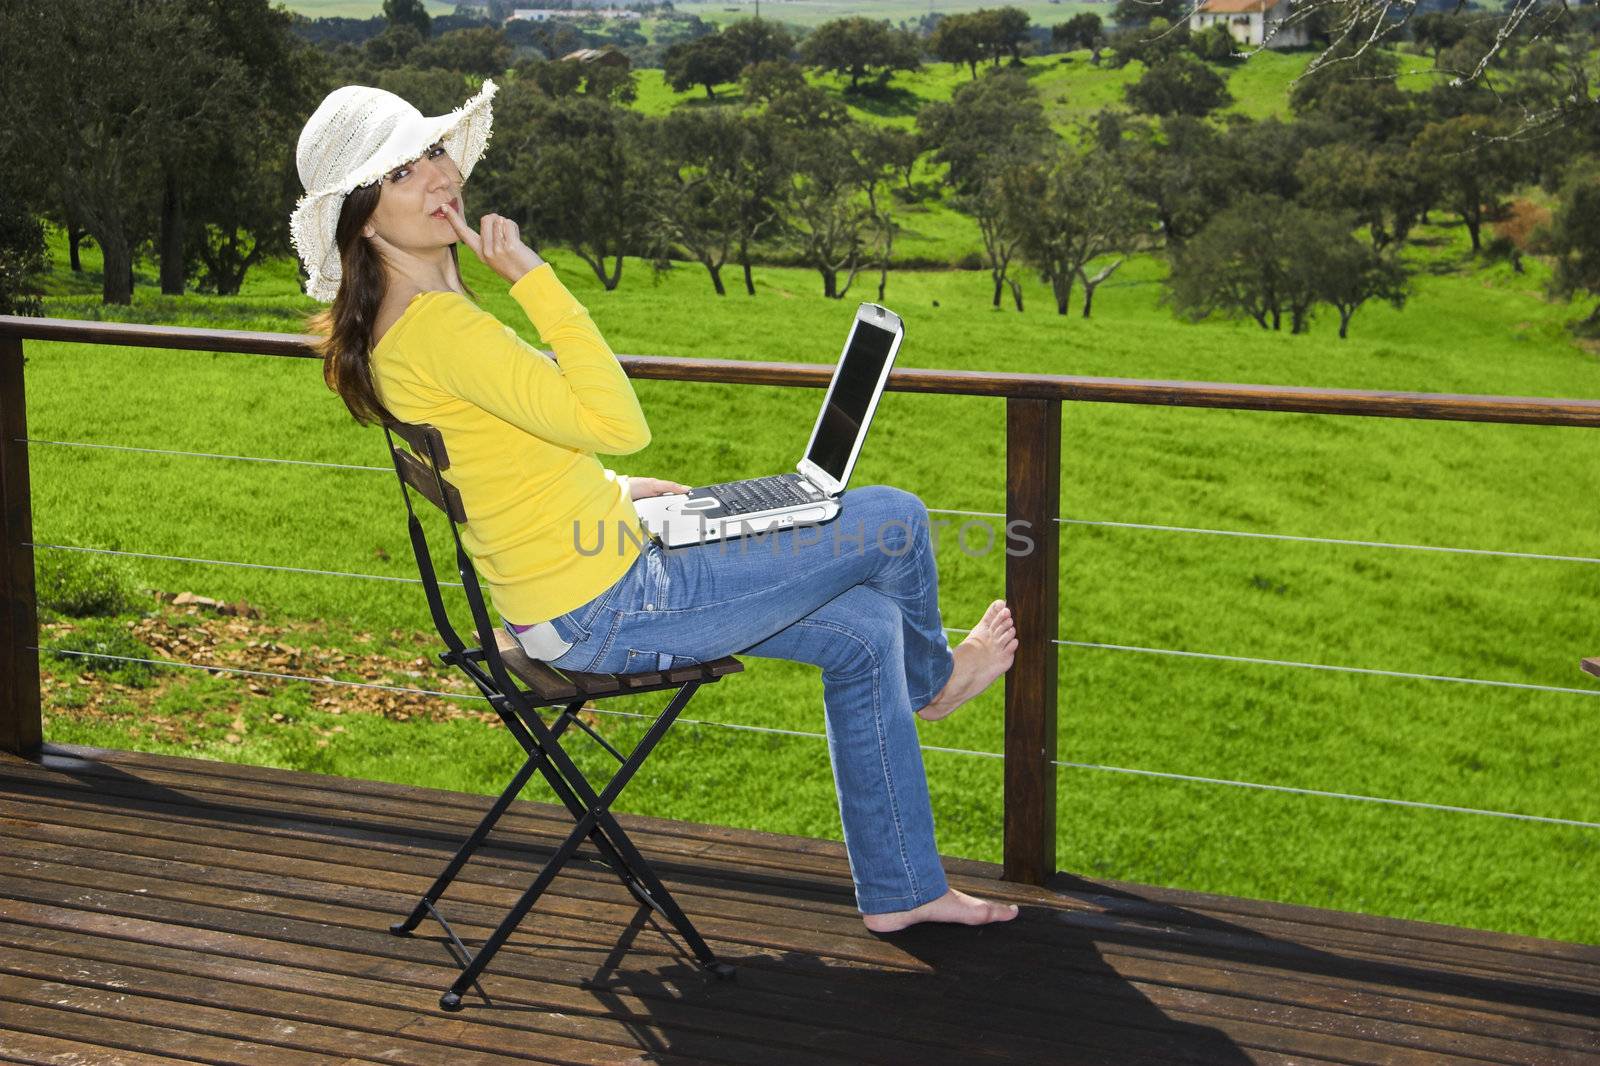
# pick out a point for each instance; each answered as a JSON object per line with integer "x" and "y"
{"x": 857, "y": 596}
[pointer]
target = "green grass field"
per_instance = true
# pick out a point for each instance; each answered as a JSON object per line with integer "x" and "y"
{"x": 1470, "y": 329}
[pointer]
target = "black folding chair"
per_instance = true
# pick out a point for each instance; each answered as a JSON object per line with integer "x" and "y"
{"x": 495, "y": 666}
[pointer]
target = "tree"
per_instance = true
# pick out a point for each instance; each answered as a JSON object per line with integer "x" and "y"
{"x": 587, "y": 176}
{"x": 707, "y": 61}
{"x": 1264, "y": 155}
{"x": 757, "y": 40}
{"x": 1181, "y": 85}
{"x": 989, "y": 126}
{"x": 788, "y": 98}
{"x": 1349, "y": 273}
{"x": 1185, "y": 169}
{"x": 104, "y": 114}
{"x": 394, "y": 46}
{"x": 958, "y": 39}
{"x": 898, "y": 150}
{"x": 1154, "y": 42}
{"x": 984, "y": 122}
{"x": 1214, "y": 44}
{"x": 610, "y": 82}
{"x": 1072, "y": 209}
{"x": 228, "y": 183}
{"x": 1346, "y": 61}
{"x": 1379, "y": 187}
{"x": 1141, "y": 12}
{"x": 556, "y": 78}
{"x": 1375, "y": 111}
{"x": 233, "y": 220}
{"x": 1083, "y": 30}
{"x": 1471, "y": 162}
{"x": 764, "y": 81}
{"x": 1002, "y": 238}
{"x": 716, "y": 201}
{"x": 1435, "y": 31}
{"x": 408, "y": 13}
{"x": 1007, "y": 30}
{"x": 1573, "y": 238}
{"x": 480, "y": 50}
{"x": 1259, "y": 258}
{"x": 856, "y": 47}
{"x": 764, "y": 178}
{"x": 824, "y": 212}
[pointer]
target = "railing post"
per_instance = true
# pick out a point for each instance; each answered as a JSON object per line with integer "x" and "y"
{"x": 1033, "y": 497}
{"x": 21, "y": 731}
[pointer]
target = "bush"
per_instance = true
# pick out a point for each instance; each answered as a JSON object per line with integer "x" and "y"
{"x": 104, "y": 636}
{"x": 22, "y": 255}
{"x": 84, "y": 585}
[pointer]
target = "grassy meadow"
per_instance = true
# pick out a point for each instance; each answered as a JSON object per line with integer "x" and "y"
{"x": 1470, "y": 329}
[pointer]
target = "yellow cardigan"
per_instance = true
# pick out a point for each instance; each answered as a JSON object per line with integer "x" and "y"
{"x": 522, "y": 431}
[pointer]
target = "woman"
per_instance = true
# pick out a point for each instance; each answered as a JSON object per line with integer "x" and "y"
{"x": 377, "y": 232}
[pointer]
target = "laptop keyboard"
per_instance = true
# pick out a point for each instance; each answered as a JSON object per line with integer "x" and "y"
{"x": 757, "y": 494}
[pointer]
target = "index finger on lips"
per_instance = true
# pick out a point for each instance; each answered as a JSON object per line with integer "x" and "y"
{"x": 463, "y": 230}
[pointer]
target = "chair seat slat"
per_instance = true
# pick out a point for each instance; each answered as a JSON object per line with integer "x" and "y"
{"x": 545, "y": 682}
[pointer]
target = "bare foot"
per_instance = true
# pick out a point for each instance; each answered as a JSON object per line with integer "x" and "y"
{"x": 983, "y": 656}
{"x": 953, "y": 906}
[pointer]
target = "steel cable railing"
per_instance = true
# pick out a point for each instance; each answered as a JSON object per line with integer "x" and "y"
{"x": 811, "y": 735}
{"x": 932, "y": 510}
{"x": 1033, "y": 406}
{"x": 1218, "y": 656}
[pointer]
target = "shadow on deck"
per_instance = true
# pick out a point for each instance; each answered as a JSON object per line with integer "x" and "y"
{"x": 155, "y": 909}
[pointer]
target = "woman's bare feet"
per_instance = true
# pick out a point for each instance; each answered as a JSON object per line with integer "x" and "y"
{"x": 983, "y": 656}
{"x": 953, "y": 906}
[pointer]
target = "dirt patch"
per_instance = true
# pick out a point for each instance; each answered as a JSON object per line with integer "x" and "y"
{"x": 203, "y": 637}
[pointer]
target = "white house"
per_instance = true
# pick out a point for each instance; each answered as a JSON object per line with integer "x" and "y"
{"x": 545, "y": 14}
{"x": 1252, "y": 22}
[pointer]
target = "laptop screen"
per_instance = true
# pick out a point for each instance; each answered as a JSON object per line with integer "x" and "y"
{"x": 850, "y": 399}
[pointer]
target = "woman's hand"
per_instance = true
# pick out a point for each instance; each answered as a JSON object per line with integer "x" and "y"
{"x": 498, "y": 242}
{"x": 641, "y": 487}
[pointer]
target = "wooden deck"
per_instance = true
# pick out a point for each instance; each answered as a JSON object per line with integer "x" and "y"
{"x": 156, "y": 909}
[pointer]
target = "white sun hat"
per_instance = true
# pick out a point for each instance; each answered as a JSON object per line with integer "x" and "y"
{"x": 357, "y": 135}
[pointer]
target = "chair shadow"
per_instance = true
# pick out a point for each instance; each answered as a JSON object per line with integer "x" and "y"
{"x": 954, "y": 995}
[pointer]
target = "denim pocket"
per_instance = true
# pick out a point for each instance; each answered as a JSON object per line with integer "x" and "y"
{"x": 644, "y": 662}
{"x": 567, "y": 627}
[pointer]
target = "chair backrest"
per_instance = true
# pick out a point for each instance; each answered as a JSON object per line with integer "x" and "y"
{"x": 422, "y": 468}
{"x": 427, "y": 441}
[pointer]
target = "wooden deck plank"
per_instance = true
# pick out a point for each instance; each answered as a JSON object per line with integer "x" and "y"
{"x": 324, "y": 971}
{"x": 856, "y": 1029}
{"x": 322, "y": 1017}
{"x": 150, "y": 886}
{"x": 749, "y": 846}
{"x": 1287, "y": 992}
{"x": 295, "y": 860}
{"x": 1562, "y": 966}
{"x": 63, "y": 1018}
{"x": 32, "y": 1049}
{"x": 604, "y": 933}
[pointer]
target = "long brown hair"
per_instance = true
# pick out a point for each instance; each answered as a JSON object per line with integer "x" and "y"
{"x": 346, "y": 326}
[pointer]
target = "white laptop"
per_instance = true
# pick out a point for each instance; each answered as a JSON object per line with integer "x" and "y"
{"x": 810, "y": 495}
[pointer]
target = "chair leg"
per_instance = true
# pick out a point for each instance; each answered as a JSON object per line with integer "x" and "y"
{"x": 595, "y": 810}
{"x": 464, "y": 853}
{"x": 635, "y": 872}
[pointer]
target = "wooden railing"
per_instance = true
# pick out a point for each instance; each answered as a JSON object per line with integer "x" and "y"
{"x": 1033, "y": 496}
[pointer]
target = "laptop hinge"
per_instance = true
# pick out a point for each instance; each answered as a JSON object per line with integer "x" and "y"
{"x": 819, "y": 477}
